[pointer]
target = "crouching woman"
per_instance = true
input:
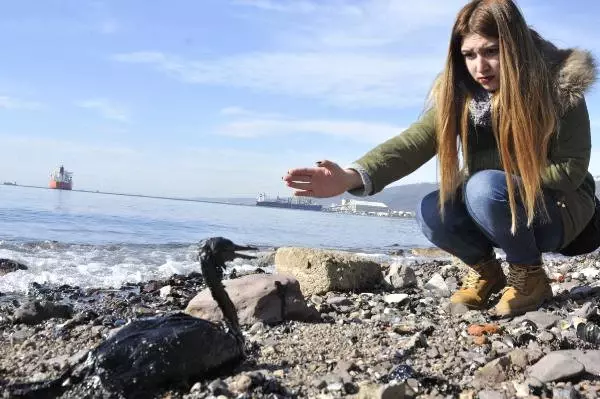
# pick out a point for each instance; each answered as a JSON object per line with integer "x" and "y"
{"x": 509, "y": 124}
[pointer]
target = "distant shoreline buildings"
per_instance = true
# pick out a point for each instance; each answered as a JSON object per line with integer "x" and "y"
{"x": 367, "y": 208}
{"x": 347, "y": 206}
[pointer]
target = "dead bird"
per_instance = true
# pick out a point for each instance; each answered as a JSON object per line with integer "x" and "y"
{"x": 150, "y": 353}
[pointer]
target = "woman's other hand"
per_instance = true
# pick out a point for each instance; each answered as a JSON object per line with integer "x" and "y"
{"x": 327, "y": 179}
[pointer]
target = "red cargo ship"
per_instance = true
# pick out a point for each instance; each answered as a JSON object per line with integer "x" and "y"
{"x": 61, "y": 179}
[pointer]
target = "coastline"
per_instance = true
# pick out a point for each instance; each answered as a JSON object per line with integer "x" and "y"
{"x": 419, "y": 345}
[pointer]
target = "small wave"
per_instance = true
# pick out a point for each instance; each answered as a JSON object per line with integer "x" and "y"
{"x": 101, "y": 266}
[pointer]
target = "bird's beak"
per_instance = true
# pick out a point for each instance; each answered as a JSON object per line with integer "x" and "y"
{"x": 237, "y": 248}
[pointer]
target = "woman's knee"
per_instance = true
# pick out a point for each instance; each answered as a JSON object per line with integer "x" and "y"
{"x": 486, "y": 188}
{"x": 428, "y": 214}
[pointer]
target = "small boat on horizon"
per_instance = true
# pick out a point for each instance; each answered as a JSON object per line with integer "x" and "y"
{"x": 61, "y": 179}
{"x": 10, "y": 183}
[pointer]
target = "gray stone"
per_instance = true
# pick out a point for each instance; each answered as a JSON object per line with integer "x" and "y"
{"x": 522, "y": 390}
{"x": 556, "y": 366}
{"x": 401, "y": 276}
{"x": 334, "y": 387}
{"x": 518, "y": 358}
{"x": 339, "y": 301}
{"x": 391, "y": 391}
{"x": 165, "y": 291}
{"x": 241, "y": 383}
{"x": 437, "y": 285}
{"x": 451, "y": 283}
{"x": 458, "y": 309}
{"x": 395, "y": 298}
{"x": 500, "y": 347}
{"x": 317, "y": 299}
{"x": 591, "y": 361}
{"x": 197, "y": 387}
{"x": 546, "y": 336}
{"x": 590, "y": 272}
{"x": 267, "y": 298}
{"x": 587, "y": 310}
{"x": 34, "y": 312}
{"x": 542, "y": 320}
{"x": 564, "y": 393}
{"x": 9, "y": 266}
{"x": 492, "y": 373}
{"x": 319, "y": 271}
{"x": 257, "y": 328}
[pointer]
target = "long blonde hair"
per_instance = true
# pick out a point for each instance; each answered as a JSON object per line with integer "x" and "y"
{"x": 523, "y": 112}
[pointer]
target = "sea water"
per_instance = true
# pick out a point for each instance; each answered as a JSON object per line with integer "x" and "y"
{"x": 101, "y": 240}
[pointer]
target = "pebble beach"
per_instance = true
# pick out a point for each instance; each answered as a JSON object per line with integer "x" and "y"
{"x": 396, "y": 340}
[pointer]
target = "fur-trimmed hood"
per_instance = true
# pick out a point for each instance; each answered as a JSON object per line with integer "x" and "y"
{"x": 574, "y": 72}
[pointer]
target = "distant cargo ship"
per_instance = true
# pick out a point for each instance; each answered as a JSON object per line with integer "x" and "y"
{"x": 61, "y": 179}
{"x": 289, "y": 203}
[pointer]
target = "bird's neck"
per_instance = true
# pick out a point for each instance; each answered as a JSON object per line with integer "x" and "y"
{"x": 212, "y": 277}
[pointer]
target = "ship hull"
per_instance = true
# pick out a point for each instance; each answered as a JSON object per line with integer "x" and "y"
{"x": 288, "y": 205}
{"x": 59, "y": 185}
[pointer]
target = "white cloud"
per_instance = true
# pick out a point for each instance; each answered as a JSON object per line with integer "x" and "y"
{"x": 249, "y": 124}
{"x": 342, "y": 79}
{"x": 106, "y": 109}
{"x": 12, "y": 103}
{"x": 368, "y": 54}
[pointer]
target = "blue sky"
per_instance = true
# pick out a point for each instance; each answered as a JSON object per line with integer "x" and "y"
{"x": 221, "y": 97}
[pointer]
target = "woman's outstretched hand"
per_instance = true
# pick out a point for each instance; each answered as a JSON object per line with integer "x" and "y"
{"x": 327, "y": 179}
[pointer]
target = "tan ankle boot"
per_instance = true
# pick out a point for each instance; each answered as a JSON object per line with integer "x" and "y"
{"x": 482, "y": 280}
{"x": 528, "y": 288}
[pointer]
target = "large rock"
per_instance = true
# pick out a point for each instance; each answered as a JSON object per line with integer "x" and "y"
{"x": 266, "y": 298}
{"x": 556, "y": 366}
{"x": 320, "y": 271}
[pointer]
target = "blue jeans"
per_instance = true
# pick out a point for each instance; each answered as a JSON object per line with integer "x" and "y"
{"x": 481, "y": 220}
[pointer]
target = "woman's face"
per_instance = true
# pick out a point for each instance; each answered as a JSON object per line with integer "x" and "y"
{"x": 482, "y": 59}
